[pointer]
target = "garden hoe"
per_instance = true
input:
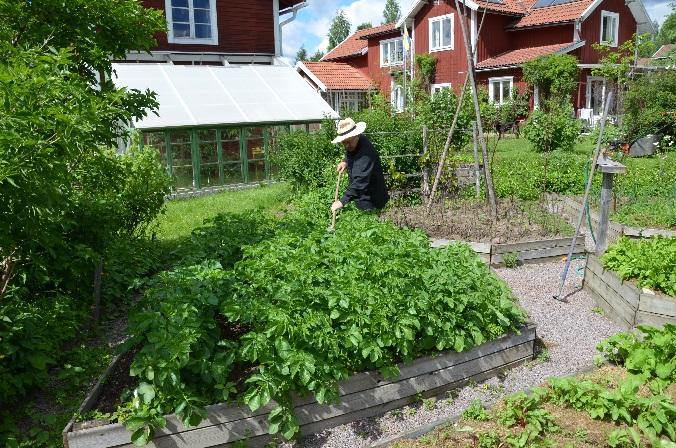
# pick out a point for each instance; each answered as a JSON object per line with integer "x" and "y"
{"x": 332, "y": 227}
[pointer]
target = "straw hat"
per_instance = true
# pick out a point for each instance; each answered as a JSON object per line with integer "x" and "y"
{"x": 347, "y": 129}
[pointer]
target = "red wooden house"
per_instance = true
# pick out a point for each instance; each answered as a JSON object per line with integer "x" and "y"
{"x": 512, "y": 33}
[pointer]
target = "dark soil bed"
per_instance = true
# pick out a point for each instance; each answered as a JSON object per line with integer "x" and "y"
{"x": 470, "y": 220}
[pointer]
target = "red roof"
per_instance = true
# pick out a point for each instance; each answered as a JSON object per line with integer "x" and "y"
{"x": 339, "y": 76}
{"x": 516, "y": 57}
{"x": 567, "y": 12}
{"x": 515, "y": 7}
{"x": 664, "y": 51}
{"x": 356, "y": 43}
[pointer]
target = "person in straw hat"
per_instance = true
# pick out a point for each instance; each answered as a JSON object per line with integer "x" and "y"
{"x": 367, "y": 187}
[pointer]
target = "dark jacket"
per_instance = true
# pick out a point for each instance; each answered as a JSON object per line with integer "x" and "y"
{"x": 367, "y": 183}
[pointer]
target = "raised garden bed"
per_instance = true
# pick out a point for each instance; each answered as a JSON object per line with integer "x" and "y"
{"x": 524, "y": 252}
{"x": 362, "y": 395}
{"x": 623, "y": 302}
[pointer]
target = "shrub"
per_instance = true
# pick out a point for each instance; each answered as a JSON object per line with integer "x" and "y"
{"x": 651, "y": 262}
{"x": 555, "y": 76}
{"x": 556, "y": 129}
{"x": 649, "y": 105}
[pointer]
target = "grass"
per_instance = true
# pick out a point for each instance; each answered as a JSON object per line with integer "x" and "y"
{"x": 182, "y": 216}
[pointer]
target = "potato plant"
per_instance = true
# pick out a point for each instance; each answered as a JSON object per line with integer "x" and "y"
{"x": 313, "y": 308}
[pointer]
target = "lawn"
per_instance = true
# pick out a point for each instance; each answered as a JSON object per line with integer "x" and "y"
{"x": 182, "y": 216}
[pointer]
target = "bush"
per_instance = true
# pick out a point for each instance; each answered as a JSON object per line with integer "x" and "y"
{"x": 556, "y": 129}
{"x": 649, "y": 105}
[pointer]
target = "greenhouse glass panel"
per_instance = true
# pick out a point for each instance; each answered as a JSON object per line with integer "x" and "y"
{"x": 255, "y": 144}
{"x": 156, "y": 140}
{"x": 208, "y": 150}
{"x": 230, "y": 145}
{"x": 276, "y": 133}
{"x": 232, "y": 173}
{"x": 181, "y": 148}
{"x": 256, "y": 170}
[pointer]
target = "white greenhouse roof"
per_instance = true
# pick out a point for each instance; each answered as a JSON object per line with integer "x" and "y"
{"x": 231, "y": 95}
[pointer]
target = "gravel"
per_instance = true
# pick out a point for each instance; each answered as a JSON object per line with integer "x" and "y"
{"x": 570, "y": 332}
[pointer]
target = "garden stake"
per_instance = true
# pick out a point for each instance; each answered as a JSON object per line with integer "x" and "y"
{"x": 564, "y": 274}
{"x": 332, "y": 227}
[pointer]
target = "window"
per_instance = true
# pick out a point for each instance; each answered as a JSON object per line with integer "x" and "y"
{"x": 397, "y": 97}
{"x": 391, "y": 52}
{"x": 192, "y": 21}
{"x": 441, "y": 33}
{"x": 610, "y": 25}
{"x": 439, "y": 87}
{"x": 500, "y": 89}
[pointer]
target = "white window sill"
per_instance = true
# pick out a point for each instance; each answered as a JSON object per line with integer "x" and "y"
{"x": 396, "y": 64}
{"x": 610, "y": 44}
{"x": 436, "y": 50}
{"x": 192, "y": 41}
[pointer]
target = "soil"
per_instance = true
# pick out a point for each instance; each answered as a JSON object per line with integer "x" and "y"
{"x": 470, "y": 220}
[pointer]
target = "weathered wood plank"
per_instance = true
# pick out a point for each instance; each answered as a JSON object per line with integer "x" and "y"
{"x": 624, "y": 288}
{"x": 658, "y": 304}
{"x": 240, "y": 423}
{"x": 609, "y": 311}
{"x": 656, "y": 320}
{"x": 315, "y": 417}
{"x": 532, "y": 245}
{"x": 616, "y": 301}
{"x": 539, "y": 253}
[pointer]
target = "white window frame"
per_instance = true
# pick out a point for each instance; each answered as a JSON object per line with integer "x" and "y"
{"x": 588, "y": 90}
{"x": 438, "y": 87}
{"x": 382, "y": 53}
{"x": 616, "y": 29}
{"x": 441, "y": 19}
{"x": 500, "y": 80}
{"x": 192, "y": 40}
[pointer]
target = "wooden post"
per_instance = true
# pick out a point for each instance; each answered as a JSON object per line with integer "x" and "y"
{"x": 477, "y": 110}
{"x": 609, "y": 168}
{"x": 425, "y": 187}
{"x": 477, "y": 169}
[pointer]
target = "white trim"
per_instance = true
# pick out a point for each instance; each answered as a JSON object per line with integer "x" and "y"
{"x": 300, "y": 67}
{"x": 441, "y": 20}
{"x": 474, "y": 32}
{"x": 536, "y": 97}
{"x": 590, "y": 9}
{"x": 436, "y": 87}
{"x": 418, "y": 5}
{"x": 500, "y": 80}
{"x": 616, "y": 28}
{"x": 277, "y": 29}
{"x": 590, "y": 80}
{"x": 387, "y": 42}
{"x": 399, "y": 105}
{"x": 192, "y": 40}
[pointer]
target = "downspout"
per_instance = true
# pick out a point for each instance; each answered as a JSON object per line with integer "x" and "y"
{"x": 279, "y": 25}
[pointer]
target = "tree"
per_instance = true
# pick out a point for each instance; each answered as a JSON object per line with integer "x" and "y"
{"x": 319, "y": 54}
{"x": 339, "y": 30}
{"x": 392, "y": 11}
{"x": 667, "y": 33}
{"x": 365, "y": 26}
{"x": 301, "y": 55}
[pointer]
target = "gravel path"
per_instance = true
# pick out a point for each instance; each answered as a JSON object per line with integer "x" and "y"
{"x": 570, "y": 331}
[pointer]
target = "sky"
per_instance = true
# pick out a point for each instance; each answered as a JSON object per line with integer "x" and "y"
{"x": 311, "y": 27}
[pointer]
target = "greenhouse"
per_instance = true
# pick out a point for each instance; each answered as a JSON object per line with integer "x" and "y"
{"x": 216, "y": 126}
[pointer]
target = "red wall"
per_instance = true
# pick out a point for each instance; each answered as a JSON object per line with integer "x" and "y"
{"x": 361, "y": 63}
{"x": 537, "y": 37}
{"x": 244, "y": 26}
{"x": 380, "y": 75}
{"x": 452, "y": 65}
{"x": 591, "y": 28}
{"x": 493, "y": 37}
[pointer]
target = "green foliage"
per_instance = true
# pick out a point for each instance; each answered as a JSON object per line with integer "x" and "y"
{"x": 552, "y": 129}
{"x": 526, "y": 412}
{"x": 555, "y": 76}
{"x": 624, "y": 438}
{"x": 616, "y": 62}
{"x": 364, "y": 26}
{"x": 651, "y": 262}
{"x": 667, "y": 32}
{"x": 427, "y": 68}
{"x": 490, "y": 439}
{"x": 476, "y": 411}
{"x": 653, "y": 354}
{"x": 648, "y": 212}
{"x": 331, "y": 303}
{"x": 649, "y": 105}
{"x": 302, "y": 157}
{"x": 339, "y": 29}
{"x": 511, "y": 260}
{"x": 391, "y": 13}
{"x": 301, "y": 54}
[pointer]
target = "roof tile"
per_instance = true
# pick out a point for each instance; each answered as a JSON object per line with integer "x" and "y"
{"x": 566, "y": 12}
{"x": 356, "y": 43}
{"x": 515, "y": 57}
{"x": 339, "y": 76}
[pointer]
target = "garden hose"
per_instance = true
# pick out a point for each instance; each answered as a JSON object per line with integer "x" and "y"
{"x": 587, "y": 166}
